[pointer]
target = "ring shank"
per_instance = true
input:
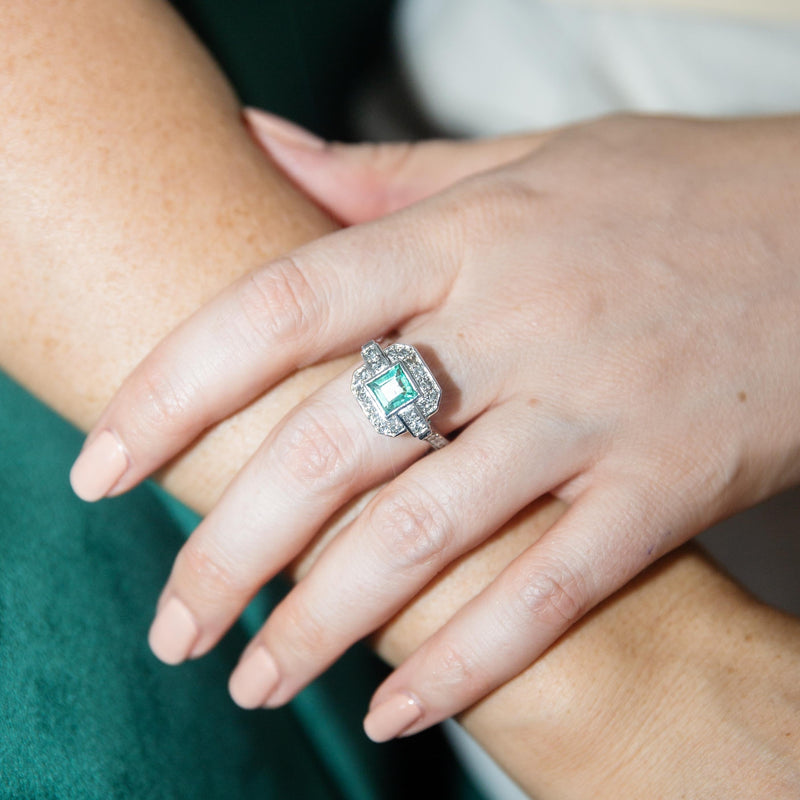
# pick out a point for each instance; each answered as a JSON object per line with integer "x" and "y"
{"x": 436, "y": 440}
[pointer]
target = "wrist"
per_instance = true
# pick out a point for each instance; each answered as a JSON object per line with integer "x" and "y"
{"x": 678, "y": 686}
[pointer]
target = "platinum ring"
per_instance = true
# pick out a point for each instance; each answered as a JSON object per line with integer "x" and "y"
{"x": 397, "y": 392}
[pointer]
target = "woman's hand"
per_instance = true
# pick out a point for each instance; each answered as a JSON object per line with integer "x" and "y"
{"x": 613, "y": 315}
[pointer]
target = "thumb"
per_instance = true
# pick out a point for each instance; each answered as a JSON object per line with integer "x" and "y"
{"x": 360, "y": 182}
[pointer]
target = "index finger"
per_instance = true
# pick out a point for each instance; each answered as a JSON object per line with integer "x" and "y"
{"x": 324, "y": 299}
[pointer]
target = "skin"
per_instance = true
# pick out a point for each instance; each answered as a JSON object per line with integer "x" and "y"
{"x": 590, "y": 299}
{"x": 86, "y": 225}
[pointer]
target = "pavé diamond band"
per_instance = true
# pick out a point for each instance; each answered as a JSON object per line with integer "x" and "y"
{"x": 397, "y": 392}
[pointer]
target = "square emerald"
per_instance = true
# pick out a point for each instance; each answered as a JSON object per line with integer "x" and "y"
{"x": 393, "y": 389}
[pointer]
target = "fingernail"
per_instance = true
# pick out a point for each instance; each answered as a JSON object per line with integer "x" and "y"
{"x": 392, "y": 717}
{"x": 173, "y": 632}
{"x": 254, "y": 678}
{"x": 98, "y": 467}
{"x": 269, "y": 128}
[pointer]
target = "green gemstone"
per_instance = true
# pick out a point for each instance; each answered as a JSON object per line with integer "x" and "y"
{"x": 393, "y": 389}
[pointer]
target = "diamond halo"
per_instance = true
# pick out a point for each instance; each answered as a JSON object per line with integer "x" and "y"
{"x": 397, "y": 391}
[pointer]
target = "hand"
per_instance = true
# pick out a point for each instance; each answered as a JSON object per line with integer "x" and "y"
{"x": 615, "y": 311}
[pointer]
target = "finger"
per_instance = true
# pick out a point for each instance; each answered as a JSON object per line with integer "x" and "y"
{"x": 356, "y": 183}
{"x": 320, "y": 455}
{"x": 592, "y": 551}
{"x": 323, "y": 300}
{"x": 323, "y": 453}
{"x": 432, "y": 513}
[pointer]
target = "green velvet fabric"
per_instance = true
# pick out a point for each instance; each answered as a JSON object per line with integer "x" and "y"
{"x": 86, "y": 711}
{"x": 298, "y": 58}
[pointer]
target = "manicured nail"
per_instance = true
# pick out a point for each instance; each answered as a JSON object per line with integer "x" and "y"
{"x": 269, "y": 128}
{"x": 99, "y": 466}
{"x": 173, "y": 632}
{"x": 254, "y": 678}
{"x": 392, "y": 717}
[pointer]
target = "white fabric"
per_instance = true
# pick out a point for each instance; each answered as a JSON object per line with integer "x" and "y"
{"x": 481, "y": 67}
{"x": 752, "y": 9}
{"x": 486, "y": 775}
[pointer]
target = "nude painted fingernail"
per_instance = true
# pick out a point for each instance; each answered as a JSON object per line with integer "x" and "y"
{"x": 173, "y": 632}
{"x": 392, "y": 717}
{"x": 269, "y": 128}
{"x": 99, "y": 466}
{"x": 254, "y": 678}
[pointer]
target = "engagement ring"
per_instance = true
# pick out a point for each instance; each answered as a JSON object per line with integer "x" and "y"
{"x": 397, "y": 392}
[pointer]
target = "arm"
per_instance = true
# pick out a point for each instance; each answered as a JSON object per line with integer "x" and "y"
{"x": 130, "y": 195}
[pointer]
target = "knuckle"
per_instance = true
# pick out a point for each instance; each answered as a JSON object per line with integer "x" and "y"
{"x": 279, "y": 303}
{"x": 310, "y": 449}
{"x": 161, "y": 400}
{"x": 497, "y": 201}
{"x": 412, "y": 527}
{"x": 454, "y": 667}
{"x": 303, "y": 633}
{"x": 570, "y": 305}
{"x": 209, "y": 576}
{"x": 555, "y": 595}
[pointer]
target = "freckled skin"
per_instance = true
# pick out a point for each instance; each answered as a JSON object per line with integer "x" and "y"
{"x": 129, "y": 194}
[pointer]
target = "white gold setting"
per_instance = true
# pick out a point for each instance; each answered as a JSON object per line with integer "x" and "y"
{"x": 397, "y": 391}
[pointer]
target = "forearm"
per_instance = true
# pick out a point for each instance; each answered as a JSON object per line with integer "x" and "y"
{"x": 130, "y": 194}
{"x": 678, "y": 686}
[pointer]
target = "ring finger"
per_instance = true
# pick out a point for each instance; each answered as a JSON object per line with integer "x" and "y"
{"x": 321, "y": 455}
{"x": 436, "y": 510}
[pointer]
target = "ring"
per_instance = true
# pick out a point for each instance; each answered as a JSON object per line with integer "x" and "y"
{"x": 397, "y": 391}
